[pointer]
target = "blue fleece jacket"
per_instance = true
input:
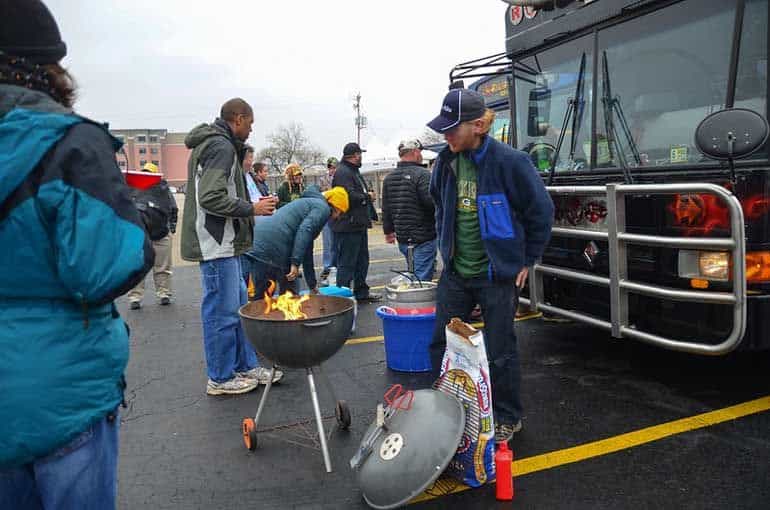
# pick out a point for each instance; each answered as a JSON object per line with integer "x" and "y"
{"x": 515, "y": 210}
{"x": 287, "y": 236}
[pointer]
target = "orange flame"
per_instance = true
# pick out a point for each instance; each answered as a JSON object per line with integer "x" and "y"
{"x": 269, "y": 297}
{"x": 288, "y": 304}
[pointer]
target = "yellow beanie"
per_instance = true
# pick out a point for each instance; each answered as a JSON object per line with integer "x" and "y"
{"x": 338, "y": 197}
{"x": 151, "y": 167}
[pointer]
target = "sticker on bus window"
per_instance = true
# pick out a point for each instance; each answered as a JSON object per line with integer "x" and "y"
{"x": 530, "y": 12}
{"x": 678, "y": 154}
{"x": 517, "y": 14}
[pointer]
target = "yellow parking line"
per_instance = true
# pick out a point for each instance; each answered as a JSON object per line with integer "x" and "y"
{"x": 365, "y": 340}
{"x": 625, "y": 441}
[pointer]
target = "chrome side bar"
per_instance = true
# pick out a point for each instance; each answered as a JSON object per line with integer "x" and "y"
{"x": 618, "y": 282}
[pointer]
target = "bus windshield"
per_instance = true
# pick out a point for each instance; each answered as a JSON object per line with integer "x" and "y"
{"x": 545, "y": 85}
{"x": 658, "y": 76}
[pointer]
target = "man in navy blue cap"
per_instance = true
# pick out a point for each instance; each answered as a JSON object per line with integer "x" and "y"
{"x": 493, "y": 218}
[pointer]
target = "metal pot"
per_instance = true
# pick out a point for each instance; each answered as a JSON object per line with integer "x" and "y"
{"x": 301, "y": 343}
{"x": 418, "y": 296}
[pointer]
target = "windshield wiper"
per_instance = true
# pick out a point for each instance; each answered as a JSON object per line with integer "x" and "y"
{"x": 611, "y": 106}
{"x": 575, "y": 113}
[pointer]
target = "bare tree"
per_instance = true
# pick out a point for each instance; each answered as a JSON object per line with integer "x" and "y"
{"x": 289, "y": 144}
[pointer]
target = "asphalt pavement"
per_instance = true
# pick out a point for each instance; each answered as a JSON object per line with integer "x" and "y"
{"x": 607, "y": 424}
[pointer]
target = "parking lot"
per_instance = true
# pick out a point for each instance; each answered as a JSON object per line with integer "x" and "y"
{"x": 607, "y": 423}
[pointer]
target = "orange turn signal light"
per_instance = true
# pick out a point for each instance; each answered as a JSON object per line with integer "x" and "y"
{"x": 697, "y": 283}
{"x": 758, "y": 266}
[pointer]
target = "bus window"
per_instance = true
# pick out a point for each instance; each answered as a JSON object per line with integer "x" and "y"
{"x": 545, "y": 84}
{"x": 501, "y": 129}
{"x": 751, "y": 82}
{"x": 660, "y": 75}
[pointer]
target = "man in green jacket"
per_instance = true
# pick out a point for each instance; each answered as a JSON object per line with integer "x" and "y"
{"x": 216, "y": 230}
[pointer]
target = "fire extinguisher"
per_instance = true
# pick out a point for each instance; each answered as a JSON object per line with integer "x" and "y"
{"x": 504, "y": 485}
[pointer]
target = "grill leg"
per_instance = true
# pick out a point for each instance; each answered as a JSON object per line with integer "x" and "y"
{"x": 319, "y": 420}
{"x": 264, "y": 397}
{"x": 326, "y": 382}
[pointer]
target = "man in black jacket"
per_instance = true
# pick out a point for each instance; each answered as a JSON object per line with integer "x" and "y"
{"x": 350, "y": 229}
{"x": 408, "y": 212}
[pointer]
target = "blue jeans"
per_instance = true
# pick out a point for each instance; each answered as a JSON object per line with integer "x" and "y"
{"x": 424, "y": 259}
{"x": 455, "y": 297}
{"x": 224, "y": 342}
{"x": 82, "y": 474}
{"x": 330, "y": 248}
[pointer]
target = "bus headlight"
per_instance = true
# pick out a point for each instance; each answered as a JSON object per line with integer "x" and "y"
{"x": 706, "y": 265}
{"x": 714, "y": 265}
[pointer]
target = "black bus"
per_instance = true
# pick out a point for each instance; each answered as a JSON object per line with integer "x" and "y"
{"x": 654, "y": 238}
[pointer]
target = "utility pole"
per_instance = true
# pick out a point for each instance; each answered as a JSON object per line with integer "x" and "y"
{"x": 360, "y": 119}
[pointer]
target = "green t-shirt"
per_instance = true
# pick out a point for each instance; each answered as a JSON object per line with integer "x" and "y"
{"x": 470, "y": 258}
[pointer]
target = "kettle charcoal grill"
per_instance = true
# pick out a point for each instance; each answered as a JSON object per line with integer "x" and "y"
{"x": 300, "y": 343}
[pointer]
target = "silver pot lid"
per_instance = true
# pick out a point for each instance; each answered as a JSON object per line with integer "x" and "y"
{"x": 412, "y": 451}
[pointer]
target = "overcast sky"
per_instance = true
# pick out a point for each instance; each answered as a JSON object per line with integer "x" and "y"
{"x": 172, "y": 63}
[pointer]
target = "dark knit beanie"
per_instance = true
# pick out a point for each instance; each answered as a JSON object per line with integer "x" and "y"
{"x": 28, "y": 30}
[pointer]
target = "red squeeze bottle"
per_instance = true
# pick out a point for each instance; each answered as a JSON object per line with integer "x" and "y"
{"x": 504, "y": 485}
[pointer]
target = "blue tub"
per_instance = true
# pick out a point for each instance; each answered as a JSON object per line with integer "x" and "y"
{"x": 407, "y": 338}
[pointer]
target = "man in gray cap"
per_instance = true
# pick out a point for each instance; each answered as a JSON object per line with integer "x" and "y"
{"x": 408, "y": 211}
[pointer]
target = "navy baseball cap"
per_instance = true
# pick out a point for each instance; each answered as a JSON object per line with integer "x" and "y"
{"x": 459, "y": 105}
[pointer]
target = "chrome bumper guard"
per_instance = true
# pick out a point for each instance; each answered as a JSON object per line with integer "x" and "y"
{"x": 618, "y": 282}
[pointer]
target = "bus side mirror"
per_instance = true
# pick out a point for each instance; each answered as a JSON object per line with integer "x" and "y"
{"x": 729, "y": 134}
{"x": 539, "y": 112}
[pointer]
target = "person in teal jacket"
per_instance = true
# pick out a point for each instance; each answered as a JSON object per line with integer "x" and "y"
{"x": 72, "y": 242}
{"x": 284, "y": 240}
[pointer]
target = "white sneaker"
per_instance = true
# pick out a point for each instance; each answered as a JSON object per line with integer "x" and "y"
{"x": 260, "y": 374}
{"x": 234, "y": 386}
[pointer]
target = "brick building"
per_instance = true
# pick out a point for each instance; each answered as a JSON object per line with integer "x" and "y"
{"x": 167, "y": 150}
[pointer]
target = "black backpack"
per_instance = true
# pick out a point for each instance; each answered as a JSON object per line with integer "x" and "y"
{"x": 154, "y": 205}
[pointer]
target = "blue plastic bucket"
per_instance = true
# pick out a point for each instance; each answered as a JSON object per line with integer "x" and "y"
{"x": 333, "y": 290}
{"x": 407, "y": 338}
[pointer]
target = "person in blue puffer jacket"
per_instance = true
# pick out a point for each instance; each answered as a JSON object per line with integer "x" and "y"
{"x": 72, "y": 242}
{"x": 284, "y": 240}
